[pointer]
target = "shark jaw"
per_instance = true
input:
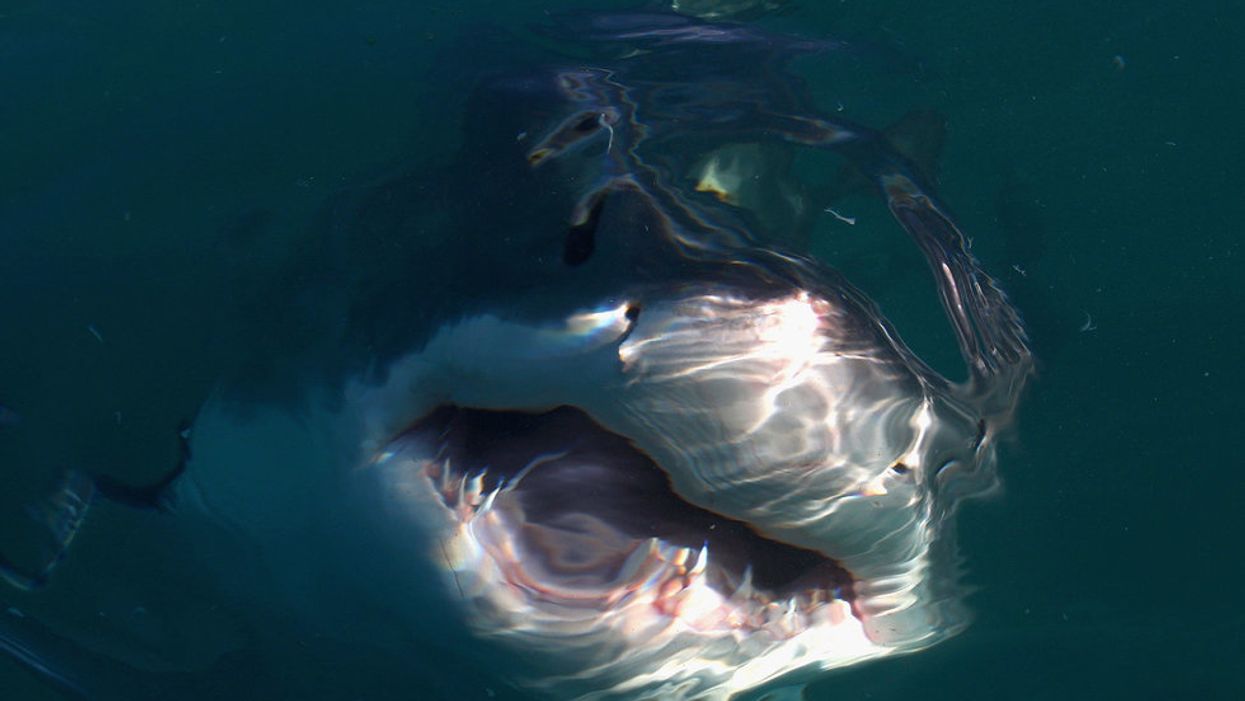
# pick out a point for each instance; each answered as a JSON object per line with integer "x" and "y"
{"x": 586, "y": 563}
{"x": 687, "y": 495}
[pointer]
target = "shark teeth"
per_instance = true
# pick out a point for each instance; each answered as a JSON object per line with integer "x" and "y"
{"x": 471, "y": 490}
{"x": 745, "y": 590}
{"x": 671, "y": 581}
{"x": 702, "y": 561}
{"x": 487, "y": 503}
{"x": 639, "y": 559}
{"x": 464, "y": 495}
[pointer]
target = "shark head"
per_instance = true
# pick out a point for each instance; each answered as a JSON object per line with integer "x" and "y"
{"x": 601, "y": 437}
{"x": 685, "y": 495}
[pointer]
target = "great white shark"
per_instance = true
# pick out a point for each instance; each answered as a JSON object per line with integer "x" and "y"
{"x": 610, "y": 436}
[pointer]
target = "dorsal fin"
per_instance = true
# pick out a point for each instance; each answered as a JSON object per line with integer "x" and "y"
{"x": 919, "y": 136}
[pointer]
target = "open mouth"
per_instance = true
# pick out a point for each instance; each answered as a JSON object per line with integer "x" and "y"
{"x": 721, "y": 491}
{"x": 566, "y": 515}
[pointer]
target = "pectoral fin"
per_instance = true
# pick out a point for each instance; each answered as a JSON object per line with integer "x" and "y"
{"x": 52, "y": 523}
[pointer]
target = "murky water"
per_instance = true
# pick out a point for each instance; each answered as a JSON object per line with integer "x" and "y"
{"x": 176, "y": 182}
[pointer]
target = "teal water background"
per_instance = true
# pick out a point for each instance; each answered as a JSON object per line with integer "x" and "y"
{"x": 154, "y": 154}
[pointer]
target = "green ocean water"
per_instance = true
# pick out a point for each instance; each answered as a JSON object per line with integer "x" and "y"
{"x": 156, "y": 157}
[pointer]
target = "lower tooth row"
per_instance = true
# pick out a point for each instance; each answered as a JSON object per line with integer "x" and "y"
{"x": 674, "y": 570}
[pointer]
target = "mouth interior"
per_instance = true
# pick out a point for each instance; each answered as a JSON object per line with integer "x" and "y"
{"x": 583, "y": 498}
